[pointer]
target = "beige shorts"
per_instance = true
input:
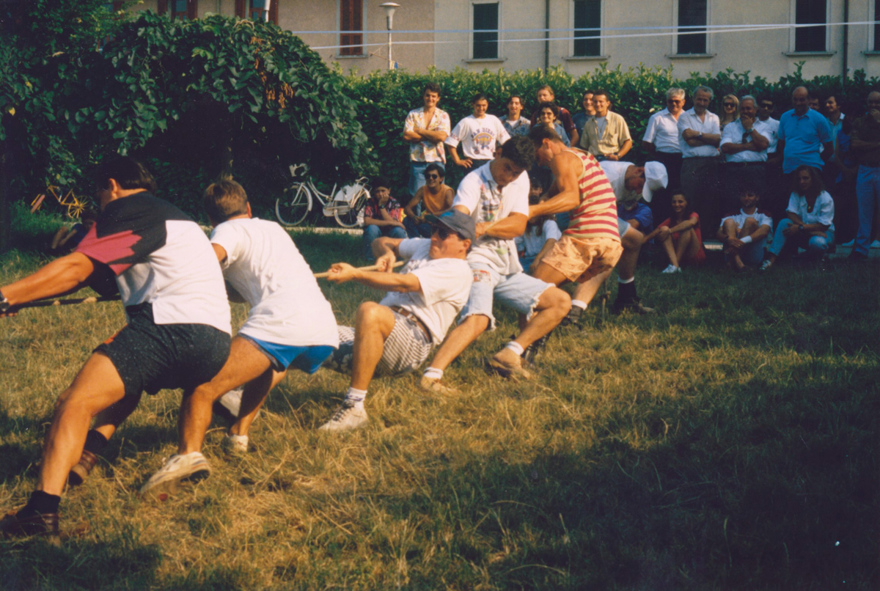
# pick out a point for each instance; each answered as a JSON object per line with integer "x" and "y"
{"x": 581, "y": 260}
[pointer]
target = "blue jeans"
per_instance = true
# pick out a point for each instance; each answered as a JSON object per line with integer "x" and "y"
{"x": 868, "y": 198}
{"x": 816, "y": 245}
{"x": 416, "y": 230}
{"x": 372, "y": 232}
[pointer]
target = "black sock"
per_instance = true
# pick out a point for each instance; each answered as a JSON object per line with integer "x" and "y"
{"x": 95, "y": 442}
{"x": 41, "y": 502}
{"x": 626, "y": 292}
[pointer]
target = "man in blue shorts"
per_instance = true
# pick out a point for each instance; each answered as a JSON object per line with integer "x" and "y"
{"x": 290, "y": 324}
{"x": 177, "y": 334}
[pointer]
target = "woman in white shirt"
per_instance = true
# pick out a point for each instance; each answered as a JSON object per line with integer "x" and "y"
{"x": 809, "y": 223}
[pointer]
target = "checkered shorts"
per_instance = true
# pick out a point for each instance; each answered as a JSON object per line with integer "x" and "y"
{"x": 406, "y": 348}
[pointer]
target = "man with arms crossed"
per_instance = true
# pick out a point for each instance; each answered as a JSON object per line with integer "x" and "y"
{"x": 425, "y": 130}
{"x": 177, "y": 334}
{"x": 497, "y": 197}
{"x": 290, "y": 324}
{"x": 396, "y": 335}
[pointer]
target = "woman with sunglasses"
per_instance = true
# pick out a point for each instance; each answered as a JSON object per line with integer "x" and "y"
{"x": 729, "y": 110}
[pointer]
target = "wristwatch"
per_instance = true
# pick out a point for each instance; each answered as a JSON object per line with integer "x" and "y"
{"x": 4, "y": 304}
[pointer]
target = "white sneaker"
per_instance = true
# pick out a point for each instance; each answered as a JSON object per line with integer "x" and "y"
{"x": 346, "y": 418}
{"x": 875, "y": 244}
{"x": 235, "y": 444}
{"x": 671, "y": 269}
{"x": 192, "y": 466}
{"x": 849, "y": 244}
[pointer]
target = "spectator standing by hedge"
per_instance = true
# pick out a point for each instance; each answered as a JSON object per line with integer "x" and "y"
{"x": 546, "y": 95}
{"x": 866, "y": 147}
{"x": 425, "y": 129}
{"x": 605, "y": 135}
{"x": 744, "y": 145}
{"x": 581, "y": 117}
{"x": 515, "y": 123}
{"x": 700, "y": 135}
{"x": 478, "y": 134}
{"x": 729, "y": 110}
{"x": 661, "y": 141}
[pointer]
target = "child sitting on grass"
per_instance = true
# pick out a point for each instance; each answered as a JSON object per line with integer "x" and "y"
{"x": 680, "y": 235}
{"x": 541, "y": 233}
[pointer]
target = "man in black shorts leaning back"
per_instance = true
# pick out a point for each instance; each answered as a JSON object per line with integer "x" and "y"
{"x": 177, "y": 335}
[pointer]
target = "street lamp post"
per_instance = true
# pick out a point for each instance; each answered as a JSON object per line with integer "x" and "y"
{"x": 390, "y": 7}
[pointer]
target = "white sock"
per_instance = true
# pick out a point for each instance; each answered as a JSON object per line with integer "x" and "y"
{"x": 433, "y": 373}
{"x": 625, "y": 281}
{"x": 579, "y": 304}
{"x": 355, "y": 397}
{"x": 515, "y": 347}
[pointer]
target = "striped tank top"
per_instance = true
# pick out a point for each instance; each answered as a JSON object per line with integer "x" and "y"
{"x": 596, "y": 215}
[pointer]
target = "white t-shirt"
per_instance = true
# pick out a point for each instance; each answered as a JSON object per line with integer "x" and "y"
{"x": 740, "y": 218}
{"x": 478, "y": 136}
{"x": 616, "y": 171}
{"x": 662, "y": 131}
{"x": 446, "y": 285}
{"x": 823, "y": 210}
{"x": 479, "y": 193}
{"x": 265, "y": 267}
{"x": 772, "y": 126}
{"x": 733, "y": 134}
{"x": 709, "y": 125}
{"x": 531, "y": 243}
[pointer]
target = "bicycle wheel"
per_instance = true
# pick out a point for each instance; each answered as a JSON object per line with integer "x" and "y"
{"x": 354, "y": 217}
{"x": 293, "y": 208}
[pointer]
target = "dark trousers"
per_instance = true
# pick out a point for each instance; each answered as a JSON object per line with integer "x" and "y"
{"x": 699, "y": 183}
{"x": 661, "y": 207}
{"x": 739, "y": 176}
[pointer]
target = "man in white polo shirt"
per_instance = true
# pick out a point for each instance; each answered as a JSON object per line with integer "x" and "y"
{"x": 700, "y": 135}
{"x": 661, "y": 141}
{"x": 744, "y": 145}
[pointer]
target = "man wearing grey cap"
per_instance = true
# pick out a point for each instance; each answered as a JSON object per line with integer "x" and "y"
{"x": 396, "y": 335}
{"x": 631, "y": 184}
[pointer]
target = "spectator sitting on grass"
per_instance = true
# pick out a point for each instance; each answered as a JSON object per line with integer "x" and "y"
{"x": 541, "y": 233}
{"x": 680, "y": 235}
{"x": 810, "y": 218}
{"x": 66, "y": 239}
{"x": 744, "y": 234}
{"x": 436, "y": 196}
{"x": 382, "y": 216}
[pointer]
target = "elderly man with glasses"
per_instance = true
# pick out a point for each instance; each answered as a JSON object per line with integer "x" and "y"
{"x": 661, "y": 141}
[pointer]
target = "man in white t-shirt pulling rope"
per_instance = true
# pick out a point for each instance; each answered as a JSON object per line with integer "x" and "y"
{"x": 396, "y": 335}
{"x": 290, "y": 324}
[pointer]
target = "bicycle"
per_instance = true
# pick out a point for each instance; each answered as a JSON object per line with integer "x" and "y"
{"x": 74, "y": 206}
{"x": 346, "y": 205}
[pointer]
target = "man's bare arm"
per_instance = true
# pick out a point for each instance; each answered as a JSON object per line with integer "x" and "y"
{"x": 61, "y": 276}
{"x": 566, "y": 167}
{"x": 343, "y": 272}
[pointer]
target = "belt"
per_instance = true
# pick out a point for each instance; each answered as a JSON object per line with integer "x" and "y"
{"x": 414, "y": 319}
{"x": 743, "y": 164}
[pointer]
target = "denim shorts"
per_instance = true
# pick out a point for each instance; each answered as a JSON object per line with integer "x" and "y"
{"x": 519, "y": 292}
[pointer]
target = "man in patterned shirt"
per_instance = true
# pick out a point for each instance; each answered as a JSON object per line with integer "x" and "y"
{"x": 425, "y": 129}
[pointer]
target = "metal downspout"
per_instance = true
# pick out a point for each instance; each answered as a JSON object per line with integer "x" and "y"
{"x": 546, "y": 36}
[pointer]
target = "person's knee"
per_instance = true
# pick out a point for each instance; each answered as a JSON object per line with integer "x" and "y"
{"x": 632, "y": 239}
{"x": 555, "y": 299}
{"x": 477, "y": 323}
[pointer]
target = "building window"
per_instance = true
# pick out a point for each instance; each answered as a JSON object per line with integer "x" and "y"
{"x": 351, "y": 27}
{"x": 876, "y": 45}
{"x": 178, "y": 9}
{"x": 485, "y": 31}
{"x": 587, "y": 23}
{"x": 692, "y": 19}
{"x": 113, "y": 7}
{"x": 810, "y": 12}
{"x": 256, "y": 10}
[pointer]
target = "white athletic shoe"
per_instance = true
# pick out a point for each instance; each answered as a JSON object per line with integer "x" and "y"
{"x": 235, "y": 444}
{"x": 346, "y": 418}
{"x": 875, "y": 244}
{"x": 671, "y": 269}
{"x": 192, "y": 466}
{"x": 849, "y": 244}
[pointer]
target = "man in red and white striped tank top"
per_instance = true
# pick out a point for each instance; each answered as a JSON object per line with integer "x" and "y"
{"x": 591, "y": 244}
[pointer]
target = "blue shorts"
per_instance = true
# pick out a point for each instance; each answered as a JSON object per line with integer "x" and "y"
{"x": 518, "y": 291}
{"x": 307, "y": 359}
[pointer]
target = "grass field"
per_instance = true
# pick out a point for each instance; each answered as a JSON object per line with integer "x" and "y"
{"x": 728, "y": 442}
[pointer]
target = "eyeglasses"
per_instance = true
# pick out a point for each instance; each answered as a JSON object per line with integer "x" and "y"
{"x": 731, "y": 105}
{"x": 432, "y": 176}
{"x": 443, "y": 232}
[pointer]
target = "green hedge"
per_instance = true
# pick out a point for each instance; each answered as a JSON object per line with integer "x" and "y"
{"x": 384, "y": 98}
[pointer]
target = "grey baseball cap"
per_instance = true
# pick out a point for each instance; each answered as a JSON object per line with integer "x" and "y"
{"x": 457, "y": 221}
